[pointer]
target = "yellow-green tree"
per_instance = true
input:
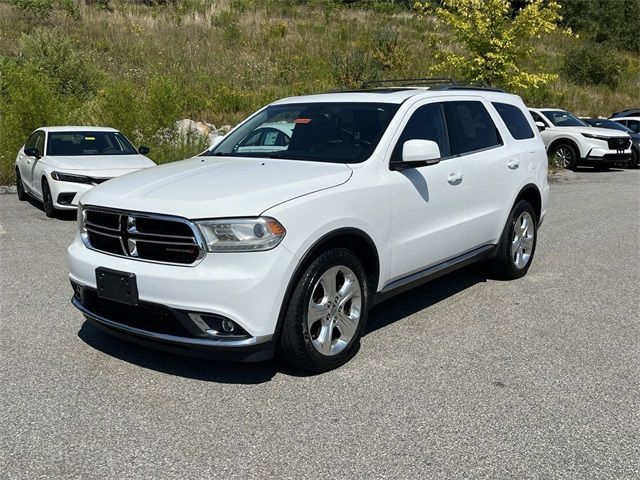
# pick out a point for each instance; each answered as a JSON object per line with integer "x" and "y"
{"x": 496, "y": 39}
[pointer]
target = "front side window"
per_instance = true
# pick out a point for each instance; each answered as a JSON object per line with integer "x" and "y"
{"x": 89, "y": 143}
{"x": 560, "y": 118}
{"x": 426, "y": 123}
{"x": 322, "y": 132}
{"x": 634, "y": 125}
{"x": 40, "y": 142}
{"x": 31, "y": 141}
{"x": 470, "y": 127}
{"x": 515, "y": 121}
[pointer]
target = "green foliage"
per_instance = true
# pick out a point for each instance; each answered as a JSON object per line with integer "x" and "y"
{"x": 496, "y": 40}
{"x": 36, "y": 9}
{"x": 605, "y": 21}
{"x": 594, "y": 65}
{"x": 56, "y": 55}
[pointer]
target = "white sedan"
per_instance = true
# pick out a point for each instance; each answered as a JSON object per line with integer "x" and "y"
{"x": 57, "y": 165}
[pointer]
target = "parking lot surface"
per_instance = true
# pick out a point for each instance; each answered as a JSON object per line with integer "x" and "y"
{"x": 465, "y": 377}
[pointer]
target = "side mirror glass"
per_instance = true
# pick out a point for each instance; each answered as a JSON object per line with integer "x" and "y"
{"x": 32, "y": 152}
{"x": 143, "y": 150}
{"x": 541, "y": 126}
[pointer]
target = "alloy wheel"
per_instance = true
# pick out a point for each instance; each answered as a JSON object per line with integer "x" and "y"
{"x": 564, "y": 157}
{"x": 334, "y": 311}
{"x": 522, "y": 242}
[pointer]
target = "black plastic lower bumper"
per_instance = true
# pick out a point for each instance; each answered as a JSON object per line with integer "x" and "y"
{"x": 609, "y": 159}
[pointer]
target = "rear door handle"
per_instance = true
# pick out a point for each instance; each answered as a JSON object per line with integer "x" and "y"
{"x": 513, "y": 164}
{"x": 454, "y": 178}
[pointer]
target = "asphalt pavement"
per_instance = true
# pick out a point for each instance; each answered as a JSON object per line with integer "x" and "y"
{"x": 465, "y": 377}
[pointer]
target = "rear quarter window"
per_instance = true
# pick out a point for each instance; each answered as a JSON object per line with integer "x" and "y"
{"x": 515, "y": 121}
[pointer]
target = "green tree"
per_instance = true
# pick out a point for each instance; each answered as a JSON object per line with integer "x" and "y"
{"x": 495, "y": 38}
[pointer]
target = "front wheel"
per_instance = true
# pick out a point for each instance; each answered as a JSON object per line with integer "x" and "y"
{"x": 635, "y": 159}
{"x": 47, "y": 200}
{"x": 22, "y": 194}
{"x": 327, "y": 313}
{"x": 518, "y": 242}
{"x": 564, "y": 156}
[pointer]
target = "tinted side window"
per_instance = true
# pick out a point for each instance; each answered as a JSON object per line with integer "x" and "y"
{"x": 536, "y": 117}
{"x": 426, "y": 123}
{"x": 470, "y": 127}
{"x": 31, "y": 141}
{"x": 40, "y": 142}
{"x": 634, "y": 125}
{"x": 515, "y": 121}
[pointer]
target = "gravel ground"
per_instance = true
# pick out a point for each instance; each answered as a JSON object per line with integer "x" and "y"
{"x": 465, "y": 377}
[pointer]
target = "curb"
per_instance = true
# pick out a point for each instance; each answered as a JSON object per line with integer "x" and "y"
{"x": 7, "y": 189}
{"x": 561, "y": 176}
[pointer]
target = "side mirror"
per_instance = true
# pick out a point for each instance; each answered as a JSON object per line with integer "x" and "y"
{"x": 417, "y": 153}
{"x": 541, "y": 126}
{"x": 143, "y": 150}
{"x": 33, "y": 152}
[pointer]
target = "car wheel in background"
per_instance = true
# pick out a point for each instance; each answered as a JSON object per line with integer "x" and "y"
{"x": 518, "y": 242}
{"x": 47, "y": 200}
{"x": 22, "y": 195}
{"x": 327, "y": 313}
{"x": 565, "y": 156}
{"x": 635, "y": 159}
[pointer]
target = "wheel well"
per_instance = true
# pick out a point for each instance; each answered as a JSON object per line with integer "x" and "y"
{"x": 567, "y": 141}
{"x": 531, "y": 194}
{"x": 358, "y": 242}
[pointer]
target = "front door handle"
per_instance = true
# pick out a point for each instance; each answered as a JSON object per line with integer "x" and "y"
{"x": 513, "y": 164}
{"x": 454, "y": 178}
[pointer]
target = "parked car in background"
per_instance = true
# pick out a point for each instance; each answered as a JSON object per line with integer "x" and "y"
{"x": 630, "y": 112}
{"x": 616, "y": 125}
{"x": 57, "y": 165}
{"x": 632, "y": 123}
{"x": 570, "y": 142}
{"x": 240, "y": 254}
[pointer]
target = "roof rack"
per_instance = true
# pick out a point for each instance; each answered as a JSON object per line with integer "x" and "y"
{"x": 410, "y": 82}
{"x": 435, "y": 83}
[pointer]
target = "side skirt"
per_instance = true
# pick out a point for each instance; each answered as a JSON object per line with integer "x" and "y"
{"x": 411, "y": 281}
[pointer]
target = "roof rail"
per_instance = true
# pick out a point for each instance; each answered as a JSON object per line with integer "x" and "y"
{"x": 410, "y": 82}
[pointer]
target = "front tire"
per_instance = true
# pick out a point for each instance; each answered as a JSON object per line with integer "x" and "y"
{"x": 47, "y": 200}
{"x": 565, "y": 156}
{"x": 22, "y": 194}
{"x": 635, "y": 159}
{"x": 518, "y": 242}
{"x": 326, "y": 314}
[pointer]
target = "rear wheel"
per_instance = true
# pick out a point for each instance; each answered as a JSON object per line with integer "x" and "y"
{"x": 518, "y": 242}
{"x": 22, "y": 195}
{"x": 327, "y": 313}
{"x": 47, "y": 200}
{"x": 565, "y": 156}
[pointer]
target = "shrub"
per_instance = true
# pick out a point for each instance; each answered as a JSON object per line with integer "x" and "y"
{"x": 593, "y": 64}
{"x": 37, "y": 9}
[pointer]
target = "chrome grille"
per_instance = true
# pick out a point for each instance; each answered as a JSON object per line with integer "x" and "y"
{"x": 619, "y": 143}
{"x": 143, "y": 236}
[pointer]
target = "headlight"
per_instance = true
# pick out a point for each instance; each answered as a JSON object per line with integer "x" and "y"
{"x": 597, "y": 137}
{"x": 68, "y": 177}
{"x": 241, "y": 234}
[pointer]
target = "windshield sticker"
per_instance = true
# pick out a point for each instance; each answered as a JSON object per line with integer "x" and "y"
{"x": 302, "y": 120}
{"x": 89, "y": 138}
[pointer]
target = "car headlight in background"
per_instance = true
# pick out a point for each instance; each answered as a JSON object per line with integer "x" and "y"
{"x": 68, "y": 177}
{"x": 241, "y": 234}
{"x": 596, "y": 137}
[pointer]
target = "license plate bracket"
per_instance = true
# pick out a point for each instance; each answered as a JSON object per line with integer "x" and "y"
{"x": 117, "y": 286}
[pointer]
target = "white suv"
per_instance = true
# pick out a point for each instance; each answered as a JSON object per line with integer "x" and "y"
{"x": 571, "y": 142}
{"x": 241, "y": 254}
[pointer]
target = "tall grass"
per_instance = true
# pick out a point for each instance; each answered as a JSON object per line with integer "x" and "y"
{"x": 140, "y": 68}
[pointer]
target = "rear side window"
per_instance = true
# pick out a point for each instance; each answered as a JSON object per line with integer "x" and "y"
{"x": 426, "y": 123}
{"x": 515, "y": 121}
{"x": 470, "y": 127}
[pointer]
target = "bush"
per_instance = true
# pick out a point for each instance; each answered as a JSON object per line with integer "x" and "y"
{"x": 36, "y": 9}
{"x": 593, "y": 64}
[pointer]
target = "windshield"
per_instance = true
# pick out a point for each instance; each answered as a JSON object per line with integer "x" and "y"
{"x": 89, "y": 143}
{"x": 560, "y": 118}
{"x": 608, "y": 124}
{"x": 323, "y": 132}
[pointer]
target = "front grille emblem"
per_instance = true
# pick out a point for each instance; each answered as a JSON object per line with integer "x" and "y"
{"x": 133, "y": 247}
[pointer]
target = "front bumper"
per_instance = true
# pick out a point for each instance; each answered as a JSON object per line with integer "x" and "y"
{"x": 247, "y": 288}
{"x": 606, "y": 159}
{"x": 66, "y": 195}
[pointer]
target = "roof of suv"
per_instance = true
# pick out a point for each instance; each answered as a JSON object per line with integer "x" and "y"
{"x": 393, "y": 95}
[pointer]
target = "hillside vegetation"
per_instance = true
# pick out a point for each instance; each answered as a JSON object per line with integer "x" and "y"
{"x": 140, "y": 67}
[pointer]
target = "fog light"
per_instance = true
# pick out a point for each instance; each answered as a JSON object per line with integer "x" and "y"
{"x": 228, "y": 326}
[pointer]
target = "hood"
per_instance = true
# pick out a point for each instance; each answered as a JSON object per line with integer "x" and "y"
{"x": 98, "y": 165}
{"x": 213, "y": 187}
{"x": 604, "y": 132}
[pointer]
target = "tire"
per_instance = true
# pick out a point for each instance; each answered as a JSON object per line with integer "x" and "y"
{"x": 47, "y": 200}
{"x": 317, "y": 334}
{"x": 635, "y": 159}
{"x": 564, "y": 155}
{"x": 516, "y": 250}
{"x": 22, "y": 194}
